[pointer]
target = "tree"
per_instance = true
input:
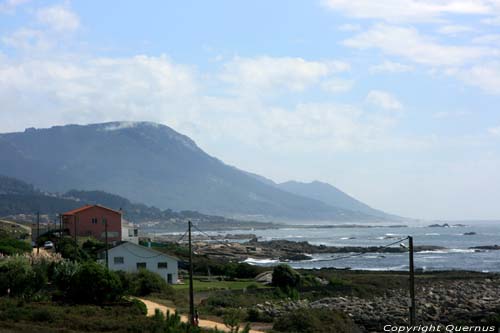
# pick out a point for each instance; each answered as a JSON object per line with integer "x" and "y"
{"x": 285, "y": 277}
{"x": 17, "y": 277}
{"x": 95, "y": 284}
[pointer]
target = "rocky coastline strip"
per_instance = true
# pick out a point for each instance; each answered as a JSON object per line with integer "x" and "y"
{"x": 438, "y": 302}
{"x": 285, "y": 250}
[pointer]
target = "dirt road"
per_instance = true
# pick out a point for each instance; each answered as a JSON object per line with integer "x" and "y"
{"x": 203, "y": 323}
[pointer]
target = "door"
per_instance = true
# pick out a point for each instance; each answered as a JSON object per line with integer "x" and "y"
{"x": 169, "y": 278}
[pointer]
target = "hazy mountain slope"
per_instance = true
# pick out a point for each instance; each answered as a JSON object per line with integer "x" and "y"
{"x": 153, "y": 164}
{"x": 331, "y": 196}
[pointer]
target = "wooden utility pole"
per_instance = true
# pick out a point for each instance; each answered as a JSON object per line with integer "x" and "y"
{"x": 76, "y": 221}
{"x": 413, "y": 318}
{"x": 37, "y": 232}
{"x": 105, "y": 221}
{"x": 191, "y": 294}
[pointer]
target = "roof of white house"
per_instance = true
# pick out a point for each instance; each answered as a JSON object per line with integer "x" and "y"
{"x": 154, "y": 253}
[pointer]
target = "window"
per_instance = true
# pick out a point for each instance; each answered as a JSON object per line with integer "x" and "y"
{"x": 118, "y": 260}
{"x": 162, "y": 265}
{"x": 94, "y": 220}
{"x": 141, "y": 265}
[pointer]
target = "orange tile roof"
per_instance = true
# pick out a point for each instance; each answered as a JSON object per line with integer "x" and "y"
{"x": 81, "y": 209}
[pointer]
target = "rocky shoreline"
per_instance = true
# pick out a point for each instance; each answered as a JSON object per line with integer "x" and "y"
{"x": 438, "y": 302}
{"x": 285, "y": 250}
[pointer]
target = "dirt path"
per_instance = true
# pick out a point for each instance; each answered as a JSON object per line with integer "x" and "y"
{"x": 203, "y": 323}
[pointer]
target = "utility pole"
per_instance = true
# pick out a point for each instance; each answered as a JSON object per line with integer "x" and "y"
{"x": 105, "y": 221}
{"x": 60, "y": 226}
{"x": 191, "y": 295}
{"x": 76, "y": 221}
{"x": 37, "y": 232}
{"x": 412, "y": 283}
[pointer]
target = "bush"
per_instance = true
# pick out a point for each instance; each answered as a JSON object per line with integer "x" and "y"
{"x": 70, "y": 250}
{"x": 145, "y": 282}
{"x": 285, "y": 277}
{"x": 11, "y": 246}
{"x": 315, "y": 321}
{"x": 94, "y": 284}
{"x": 17, "y": 277}
{"x": 140, "y": 306}
{"x": 63, "y": 273}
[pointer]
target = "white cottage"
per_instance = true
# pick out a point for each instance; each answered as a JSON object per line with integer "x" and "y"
{"x": 130, "y": 257}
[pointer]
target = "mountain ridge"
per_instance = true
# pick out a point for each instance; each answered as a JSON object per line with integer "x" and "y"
{"x": 152, "y": 163}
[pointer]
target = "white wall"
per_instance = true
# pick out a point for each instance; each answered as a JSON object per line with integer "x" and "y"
{"x": 132, "y": 254}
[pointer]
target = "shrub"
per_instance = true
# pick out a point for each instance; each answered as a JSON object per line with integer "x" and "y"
{"x": 17, "y": 277}
{"x": 11, "y": 246}
{"x": 42, "y": 315}
{"x": 140, "y": 306}
{"x": 70, "y": 250}
{"x": 285, "y": 277}
{"x": 145, "y": 282}
{"x": 315, "y": 321}
{"x": 63, "y": 273}
{"x": 93, "y": 283}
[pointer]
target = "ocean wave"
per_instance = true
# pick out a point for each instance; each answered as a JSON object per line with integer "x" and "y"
{"x": 449, "y": 251}
{"x": 255, "y": 261}
{"x": 433, "y": 234}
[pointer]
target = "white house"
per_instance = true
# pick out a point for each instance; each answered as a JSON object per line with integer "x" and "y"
{"x": 130, "y": 257}
{"x": 130, "y": 233}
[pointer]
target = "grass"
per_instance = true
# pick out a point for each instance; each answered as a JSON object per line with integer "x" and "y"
{"x": 203, "y": 285}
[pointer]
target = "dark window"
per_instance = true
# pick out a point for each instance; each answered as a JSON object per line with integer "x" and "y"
{"x": 141, "y": 265}
{"x": 162, "y": 265}
{"x": 118, "y": 260}
{"x": 94, "y": 220}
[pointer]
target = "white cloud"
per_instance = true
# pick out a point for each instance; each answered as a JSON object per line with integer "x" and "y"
{"x": 9, "y": 6}
{"x": 485, "y": 76}
{"x": 27, "y": 40}
{"x": 58, "y": 18}
{"x": 337, "y": 85}
{"x": 384, "y": 100}
{"x": 410, "y": 10}
{"x": 494, "y": 131}
{"x": 410, "y": 44}
{"x": 493, "y": 39}
{"x": 390, "y": 67}
{"x": 448, "y": 114}
{"x": 62, "y": 90}
{"x": 455, "y": 29}
{"x": 263, "y": 75}
{"x": 350, "y": 27}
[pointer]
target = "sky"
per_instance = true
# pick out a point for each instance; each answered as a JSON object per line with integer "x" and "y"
{"x": 396, "y": 102}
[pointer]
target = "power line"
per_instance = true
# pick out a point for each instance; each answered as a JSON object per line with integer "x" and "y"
{"x": 211, "y": 237}
{"x": 182, "y": 237}
{"x": 363, "y": 253}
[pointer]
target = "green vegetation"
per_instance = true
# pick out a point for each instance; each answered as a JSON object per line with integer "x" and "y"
{"x": 19, "y": 278}
{"x": 92, "y": 283}
{"x": 143, "y": 283}
{"x": 314, "y": 321}
{"x": 206, "y": 285}
{"x": 284, "y": 277}
{"x": 9, "y": 245}
{"x": 125, "y": 316}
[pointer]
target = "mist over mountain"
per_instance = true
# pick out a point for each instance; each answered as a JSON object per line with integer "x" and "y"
{"x": 153, "y": 164}
{"x": 331, "y": 195}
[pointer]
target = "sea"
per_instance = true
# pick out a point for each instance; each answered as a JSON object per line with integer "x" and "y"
{"x": 458, "y": 239}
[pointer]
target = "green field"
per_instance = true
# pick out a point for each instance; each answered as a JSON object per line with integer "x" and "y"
{"x": 204, "y": 285}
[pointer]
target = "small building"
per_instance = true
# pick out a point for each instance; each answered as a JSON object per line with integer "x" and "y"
{"x": 92, "y": 221}
{"x": 130, "y": 257}
{"x": 130, "y": 233}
